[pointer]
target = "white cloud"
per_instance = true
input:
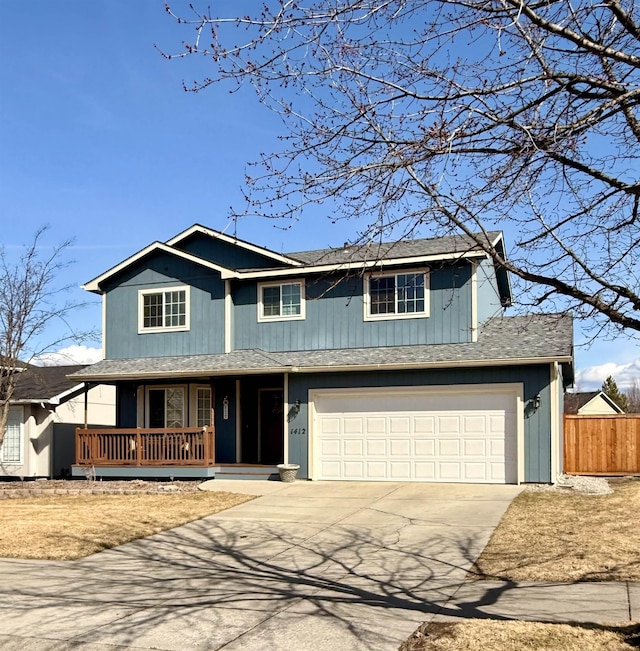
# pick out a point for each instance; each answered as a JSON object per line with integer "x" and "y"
{"x": 69, "y": 355}
{"x": 591, "y": 378}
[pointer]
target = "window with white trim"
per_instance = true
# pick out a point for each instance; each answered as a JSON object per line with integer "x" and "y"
{"x": 279, "y": 301}
{"x": 399, "y": 295}
{"x": 163, "y": 310}
{"x": 203, "y": 407}
{"x": 11, "y": 450}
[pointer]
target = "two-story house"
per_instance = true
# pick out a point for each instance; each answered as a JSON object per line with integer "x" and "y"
{"x": 386, "y": 362}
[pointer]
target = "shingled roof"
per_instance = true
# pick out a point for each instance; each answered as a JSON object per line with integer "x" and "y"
{"x": 502, "y": 341}
{"x": 373, "y": 251}
{"x": 44, "y": 383}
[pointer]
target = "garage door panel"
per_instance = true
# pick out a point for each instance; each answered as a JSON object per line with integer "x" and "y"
{"x": 376, "y": 426}
{"x": 354, "y": 469}
{"x": 376, "y": 470}
{"x": 430, "y": 436}
{"x": 400, "y": 471}
{"x": 425, "y": 470}
{"x": 424, "y": 447}
{"x": 353, "y": 447}
{"x": 376, "y": 447}
{"x": 475, "y": 448}
{"x": 424, "y": 424}
{"x": 448, "y": 424}
{"x": 400, "y": 447}
{"x": 449, "y": 447}
{"x": 330, "y": 447}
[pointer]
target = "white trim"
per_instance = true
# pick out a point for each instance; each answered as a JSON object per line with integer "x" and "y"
{"x": 556, "y": 440}
{"x": 228, "y": 311}
{"x": 366, "y": 298}
{"x": 94, "y": 284}
{"x": 197, "y": 228}
{"x": 104, "y": 326}
{"x": 163, "y": 290}
{"x": 285, "y": 416}
{"x": 514, "y": 388}
{"x": 281, "y": 317}
{"x": 474, "y": 301}
{"x": 238, "y": 424}
{"x": 366, "y": 264}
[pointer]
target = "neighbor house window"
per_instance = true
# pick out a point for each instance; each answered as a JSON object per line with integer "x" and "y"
{"x": 11, "y": 450}
{"x": 401, "y": 295}
{"x": 164, "y": 309}
{"x": 281, "y": 301}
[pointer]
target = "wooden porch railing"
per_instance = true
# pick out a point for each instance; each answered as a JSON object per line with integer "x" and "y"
{"x": 192, "y": 446}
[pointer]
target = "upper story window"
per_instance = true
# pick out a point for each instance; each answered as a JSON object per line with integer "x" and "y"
{"x": 280, "y": 301}
{"x": 162, "y": 310}
{"x": 396, "y": 296}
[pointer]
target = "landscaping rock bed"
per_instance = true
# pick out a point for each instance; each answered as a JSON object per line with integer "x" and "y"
{"x": 47, "y": 487}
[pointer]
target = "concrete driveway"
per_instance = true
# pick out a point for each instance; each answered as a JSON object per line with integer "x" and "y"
{"x": 310, "y": 565}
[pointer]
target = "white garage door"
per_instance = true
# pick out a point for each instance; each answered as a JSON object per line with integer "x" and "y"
{"x": 415, "y": 435}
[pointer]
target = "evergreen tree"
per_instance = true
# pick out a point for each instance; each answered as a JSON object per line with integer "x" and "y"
{"x": 610, "y": 388}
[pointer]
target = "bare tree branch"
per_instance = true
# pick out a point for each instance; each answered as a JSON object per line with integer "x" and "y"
{"x": 427, "y": 117}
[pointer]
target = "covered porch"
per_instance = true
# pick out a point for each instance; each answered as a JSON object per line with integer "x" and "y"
{"x": 189, "y": 427}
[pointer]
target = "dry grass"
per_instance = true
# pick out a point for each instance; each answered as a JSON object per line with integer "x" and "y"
{"x": 72, "y": 526}
{"x": 551, "y": 536}
{"x": 492, "y": 635}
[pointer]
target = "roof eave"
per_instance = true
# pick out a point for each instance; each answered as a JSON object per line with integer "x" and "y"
{"x": 327, "y": 368}
{"x": 364, "y": 264}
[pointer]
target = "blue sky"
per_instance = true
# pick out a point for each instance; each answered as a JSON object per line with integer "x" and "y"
{"x": 99, "y": 140}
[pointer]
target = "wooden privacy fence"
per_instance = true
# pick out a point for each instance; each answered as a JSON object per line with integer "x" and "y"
{"x": 602, "y": 445}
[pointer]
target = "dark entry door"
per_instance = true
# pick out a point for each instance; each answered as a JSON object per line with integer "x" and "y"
{"x": 270, "y": 426}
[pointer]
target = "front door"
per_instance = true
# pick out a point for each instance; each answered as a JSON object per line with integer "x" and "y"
{"x": 270, "y": 426}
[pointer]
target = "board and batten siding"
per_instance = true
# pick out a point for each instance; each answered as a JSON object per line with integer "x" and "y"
{"x": 206, "y": 332}
{"x": 535, "y": 380}
{"x": 335, "y": 316}
{"x": 488, "y": 296}
{"x": 226, "y": 254}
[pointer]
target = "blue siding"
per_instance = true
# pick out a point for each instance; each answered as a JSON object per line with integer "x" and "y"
{"x": 537, "y": 426}
{"x": 206, "y": 334}
{"x": 488, "y": 296}
{"x": 335, "y": 316}
{"x": 227, "y": 255}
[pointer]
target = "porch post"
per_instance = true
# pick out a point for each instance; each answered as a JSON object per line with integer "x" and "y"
{"x": 285, "y": 416}
{"x": 86, "y": 406}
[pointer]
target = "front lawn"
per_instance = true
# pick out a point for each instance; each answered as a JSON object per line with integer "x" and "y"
{"x": 66, "y": 527}
{"x": 558, "y": 536}
{"x": 491, "y": 635}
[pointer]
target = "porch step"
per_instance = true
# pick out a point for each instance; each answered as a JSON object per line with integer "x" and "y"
{"x": 246, "y": 471}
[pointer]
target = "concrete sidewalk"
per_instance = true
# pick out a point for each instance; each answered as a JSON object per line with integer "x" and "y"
{"x": 311, "y": 565}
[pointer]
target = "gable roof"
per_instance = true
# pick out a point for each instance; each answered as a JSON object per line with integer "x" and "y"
{"x": 254, "y": 248}
{"x": 94, "y": 284}
{"x": 48, "y": 384}
{"x": 575, "y": 402}
{"x": 366, "y": 256}
{"x": 502, "y": 341}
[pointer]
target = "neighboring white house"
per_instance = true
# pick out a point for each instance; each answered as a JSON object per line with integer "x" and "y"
{"x": 45, "y": 410}
{"x": 589, "y": 403}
